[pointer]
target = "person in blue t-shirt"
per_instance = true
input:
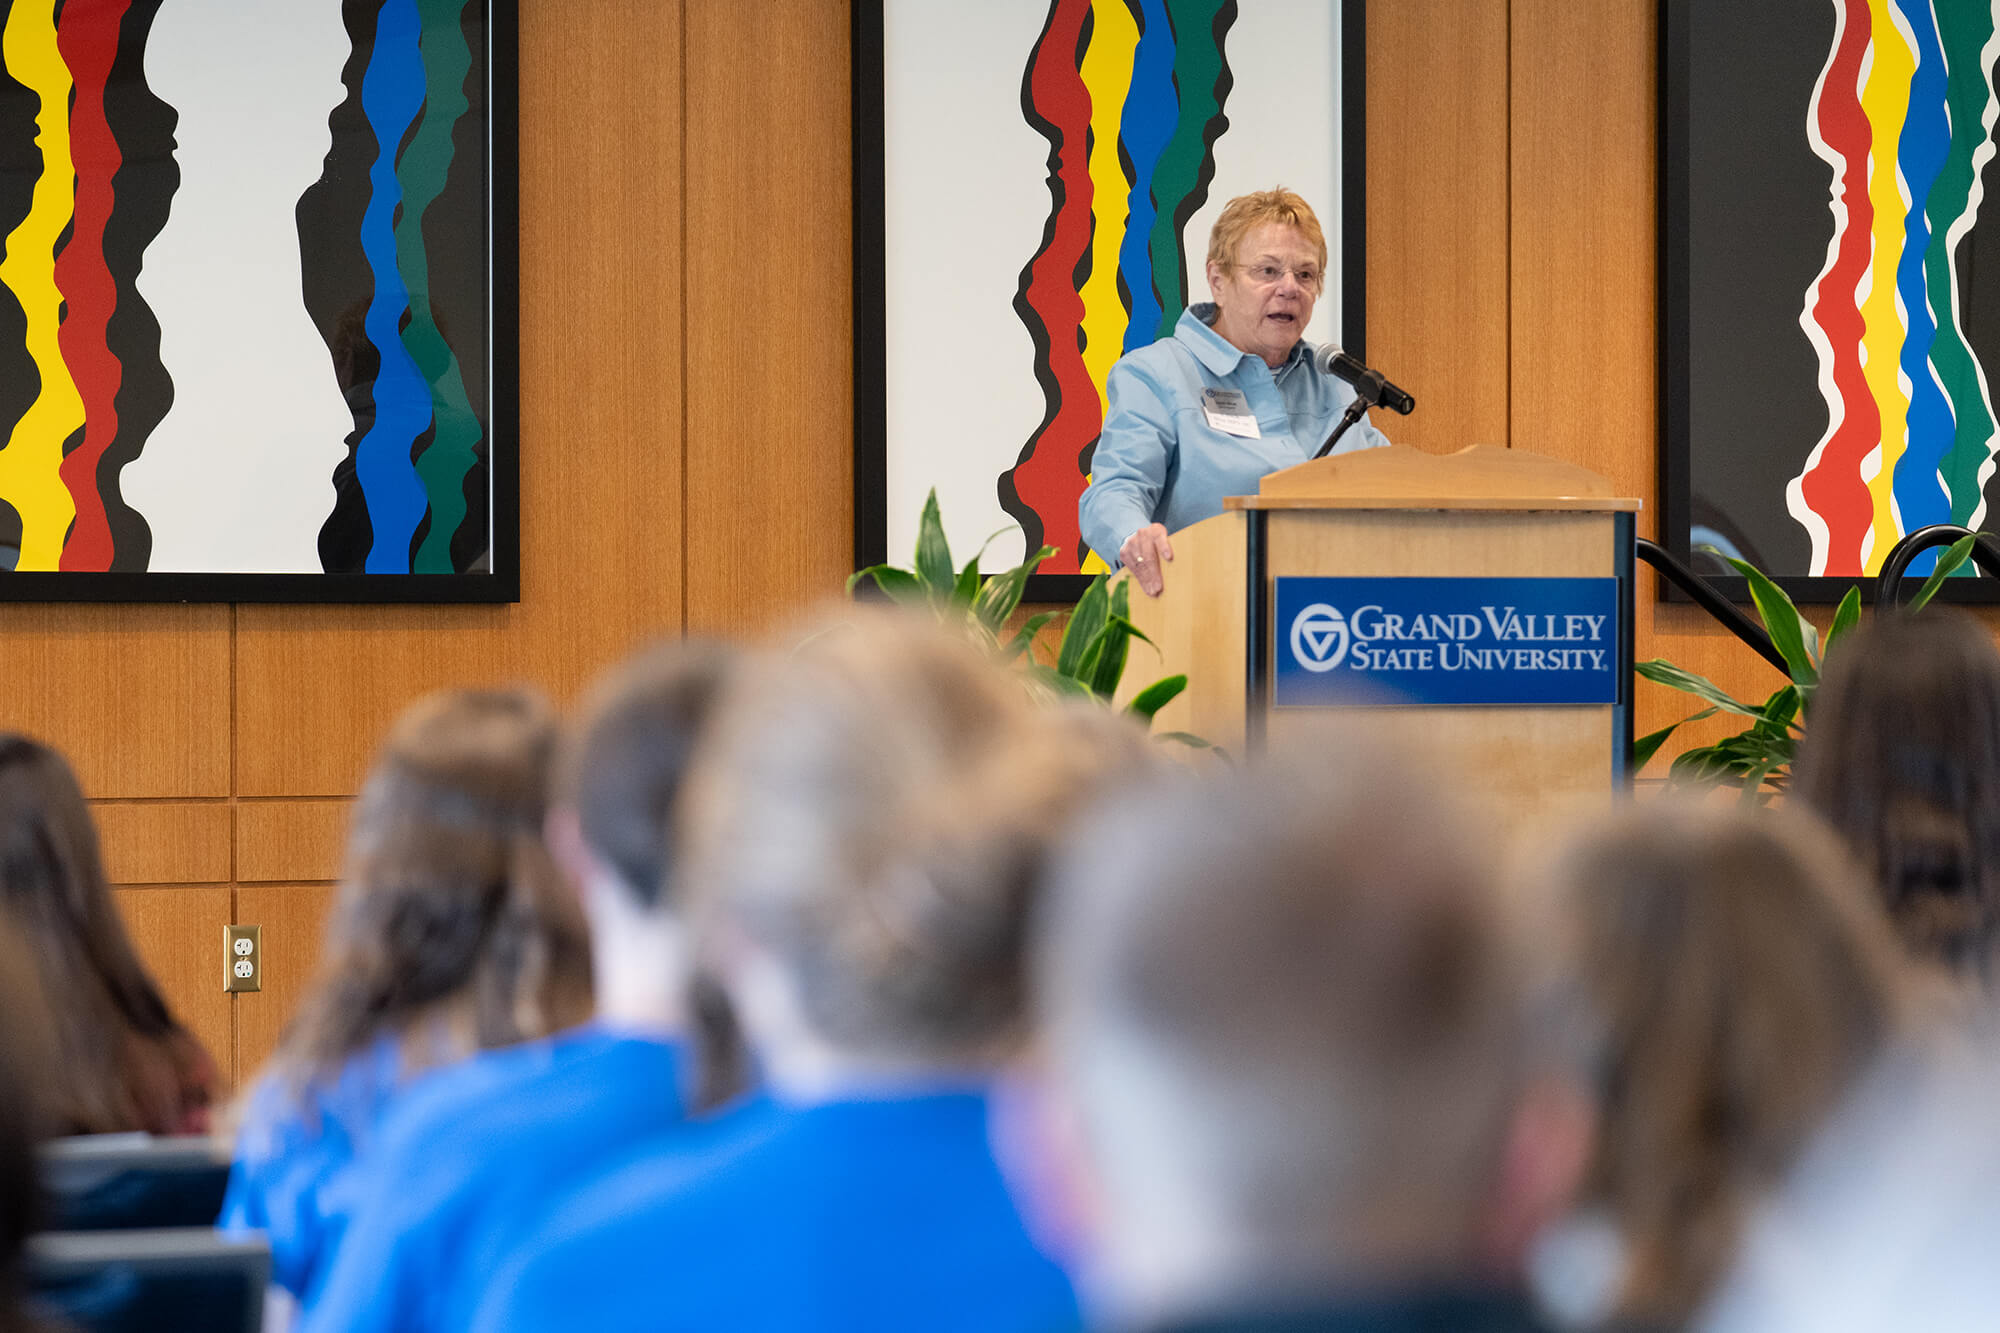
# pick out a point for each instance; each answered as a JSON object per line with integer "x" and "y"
{"x": 452, "y": 933}
{"x": 864, "y": 840}
{"x": 469, "y": 1161}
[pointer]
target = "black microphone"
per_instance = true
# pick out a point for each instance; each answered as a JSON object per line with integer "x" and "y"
{"x": 1333, "y": 360}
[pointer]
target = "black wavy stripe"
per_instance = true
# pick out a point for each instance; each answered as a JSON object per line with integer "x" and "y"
{"x": 339, "y": 286}
{"x": 143, "y": 196}
{"x": 459, "y": 280}
{"x": 1979, "y": 302}
{"x": 20, "y": 168}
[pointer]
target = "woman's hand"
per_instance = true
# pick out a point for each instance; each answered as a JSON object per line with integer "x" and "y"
{"x": 1144, "y": 552}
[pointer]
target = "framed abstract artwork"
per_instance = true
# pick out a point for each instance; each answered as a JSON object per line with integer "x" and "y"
{"x": 258, "y": 299}
{"x": 1035, "y": 181}
{"x": 1830, "y": 281}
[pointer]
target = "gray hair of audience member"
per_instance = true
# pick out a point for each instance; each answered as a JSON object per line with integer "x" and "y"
{"x": 450, "y": 908}
{"x": 1903, "y": 757}
{"x": 1737, "y": 980}
{"x": 874, "y": 815}
{"x": 620, "y": 770}
{"x": 1286, "y": 1010}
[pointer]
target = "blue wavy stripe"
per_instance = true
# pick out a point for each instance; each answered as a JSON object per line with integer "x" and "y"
{"x": 1152, "y": 109}
{"x": 392, "y": 93}
{"x": 1921, "y": 497}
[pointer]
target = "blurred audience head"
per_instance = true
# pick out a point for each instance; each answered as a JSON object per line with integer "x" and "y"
{"x": 1734, "y": 979}
{"x": 612, "y": 827}
{"x": 121, "y": 1061}
{"x": 1903, "y": 758}
{"x": 867, "y": 831}
{"x": 452, "y": 930}
{"x": 27, "y": 1075}
{"x": 1287, "y": 1019}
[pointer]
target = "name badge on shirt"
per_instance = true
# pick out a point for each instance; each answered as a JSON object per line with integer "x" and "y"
{"x": 1229, "y": 411}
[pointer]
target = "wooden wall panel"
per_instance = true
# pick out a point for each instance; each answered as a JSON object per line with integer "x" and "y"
{"x": 769, "y": 369}
{"x": 290, "y": 841}
{"x": 178, "y": 933}
{"x": 1437, "y": 217}
{"x": 294, "y": 919}
{"x": 137, "y": 697}
{"x": 600, "y": 427}
{"x": 164, "y": 842}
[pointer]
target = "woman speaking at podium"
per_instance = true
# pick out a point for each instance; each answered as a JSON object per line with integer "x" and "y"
{"x": 1231, "y": 396}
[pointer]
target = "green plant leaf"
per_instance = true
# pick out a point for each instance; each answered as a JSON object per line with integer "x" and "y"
{"x": 1648, "y": 745}
{"x": 967, "y": 587}
{"x": 1955, "y": 555}
{"x": 1791, "y": 633}
{"x": 1110, "y": 668}
{"x": 1055, "y": 681}
{"x": 1085, "y": 624}
{"x": 1149, "y": 701}
{"x": 899, "y": 584}
{"x": 1753, "y": 782}
{"x": 1662, "y": 672}
{"x": 1025, "y": 636}
{"x": 934, "y": 552}
{"x": 1194, "y": 742}
{"x": 1845, "y": 618}
{"x": 1002, "y": 593}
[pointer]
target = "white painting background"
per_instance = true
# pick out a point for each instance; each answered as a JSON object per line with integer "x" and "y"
{"x": 966, "y": 201}
{"x": 238, "y": 477}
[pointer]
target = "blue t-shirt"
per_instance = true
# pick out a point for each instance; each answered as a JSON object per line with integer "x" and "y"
{"x": 471, "y": 1160}
{"x": 872, "y": 1216}
{"x": 1161, "y": 459}
{"x": 292, "y": 1177}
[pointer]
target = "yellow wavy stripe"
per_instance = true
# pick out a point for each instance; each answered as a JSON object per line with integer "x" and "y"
{"x": 1885, "y": 99}
{"x": 1106, "y": 70}
{"x": 29, "y": 464}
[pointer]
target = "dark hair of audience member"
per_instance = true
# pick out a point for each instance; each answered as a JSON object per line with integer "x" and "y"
{"x": 121, "y": 1061}
{"x": 621, "y": 772}
{"x": 874, "y": 811}
{"x": 26, "y": 1078}
{"x": 1902, "y": 755}
{"x": 1737, "y": 980}
{"x": 453, "y": 929}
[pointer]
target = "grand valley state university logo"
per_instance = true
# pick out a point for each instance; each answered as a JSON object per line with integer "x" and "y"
{"x": 1447, "y": 641}
{"x": 1319, "y": 637}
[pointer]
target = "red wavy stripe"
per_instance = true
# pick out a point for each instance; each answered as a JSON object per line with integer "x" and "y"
{"x": 1049, "y": 479}
{"x": 87, "y": 38}
{"x": 1834, "y": 489}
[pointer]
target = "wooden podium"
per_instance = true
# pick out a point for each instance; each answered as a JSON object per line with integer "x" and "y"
{"x": 1398, "y": 512}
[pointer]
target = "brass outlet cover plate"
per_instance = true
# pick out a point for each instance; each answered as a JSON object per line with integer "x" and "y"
{"x": 242, "y": 958}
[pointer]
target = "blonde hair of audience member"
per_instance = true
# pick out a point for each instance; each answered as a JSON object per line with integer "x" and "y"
{"x": 27, "y": 1074}
{"x": 1736, "y": 980}
{"x": 453, "y": 931}
{"x": 1903, "y": 757}
{"x": 1286, "y": 1013}
{"x": 618, "y": 778}
{"x": 866, "y": 831}
{"x": 1247, "y": 212}
{"x": 121, "y": 1060}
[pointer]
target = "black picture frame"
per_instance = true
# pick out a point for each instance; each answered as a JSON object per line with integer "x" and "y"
{"x": 500, "y": 581}
{"x": 1676, "y": 224}
{"x": 871, "y": 518}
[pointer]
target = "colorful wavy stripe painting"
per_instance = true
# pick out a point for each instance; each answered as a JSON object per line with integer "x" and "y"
{"x": 240, "y": 330}
{"x": 1130, "y": 96}
{"x": 1903, "y": 115}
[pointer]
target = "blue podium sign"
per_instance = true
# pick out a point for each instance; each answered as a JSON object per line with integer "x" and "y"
{"x": 1445, "y": 641}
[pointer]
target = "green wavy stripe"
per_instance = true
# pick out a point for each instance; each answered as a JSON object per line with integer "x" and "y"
{"x": 1964, "y": 31}
{"x": 1187, "y": 163}
{"x": 422, "y": 171}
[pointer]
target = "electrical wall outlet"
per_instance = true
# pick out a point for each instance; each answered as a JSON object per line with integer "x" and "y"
{"x": 242, "y": 958}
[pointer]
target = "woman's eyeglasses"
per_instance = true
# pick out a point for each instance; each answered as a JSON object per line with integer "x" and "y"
{"x": 1267, "y": 275}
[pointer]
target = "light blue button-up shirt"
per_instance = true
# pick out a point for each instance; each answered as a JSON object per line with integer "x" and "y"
{"x": 1160, "y": 461}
